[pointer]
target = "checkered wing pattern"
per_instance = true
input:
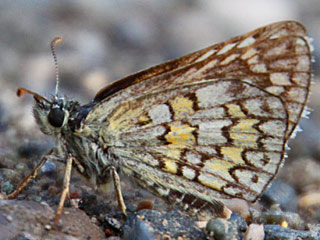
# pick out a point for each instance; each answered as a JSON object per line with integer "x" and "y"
{"x": 212, "y": 124}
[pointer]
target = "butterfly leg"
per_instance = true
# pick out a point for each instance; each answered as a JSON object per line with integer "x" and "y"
{"x": 117, "y": 187}
{"x": 24, "y": 182}
{"x": 65, "y": 191}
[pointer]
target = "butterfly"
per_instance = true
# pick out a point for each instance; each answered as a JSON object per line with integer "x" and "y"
{"x": 208, "y": 126}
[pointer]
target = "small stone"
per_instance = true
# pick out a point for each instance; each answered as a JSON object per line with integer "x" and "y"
{"x": 113, "y": 223}
{"x": 137, "y": 231}
{"x": 239, "y": 206}
{"x": 53, "y": 190}
{"x": 8, "y": 175}
{"x": 21, "y": 166}
{"x": 302, "y": 173}
{"x": 7, "y": 187}
{"x": 36, "y": 198}
{"x": 150, "y": 224}
{"x": 48, "y": 167}
{"x": 275, "y": 232}
{"x": 281, "y": 193}
{"x": 24, "y": 236}
{"x": 241, "y": 223}
{"x": 9, "y": 218}
{"x": 310, "y": 199}
{"x": 254, "y": 232}
{"x": 285, "y": 219}
{"x": 220, "y": 228}
{"x": 43, "y": 203}
{"x": 314, "y": 227}
{"x": 145, "y": 204}
{"x": 47, "y": 227}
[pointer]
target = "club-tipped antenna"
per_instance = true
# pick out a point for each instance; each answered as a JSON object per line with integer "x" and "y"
{"x": 53, "y": 51}
{"x": 22, "y": 91}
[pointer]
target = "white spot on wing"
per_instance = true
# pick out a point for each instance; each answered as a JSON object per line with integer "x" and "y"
{"x": 193, "y": 158}
{"x": 217, "y": 112}
{"x": 206, "y": 55}
{"x": 249, "y": 53}
{"x": 214, "y": 94}
{"x": 301, "y": 79}
{"x": 273, "y": 128}
{"x": 258, "y": 68}
{"x": 253, "y": 60}
{"x": 297, "y": 94}
{"x": 303, "y": 63}
{"x": 272, "y": 144}
{"x": 266, "y": 160}
{"x": 275, "y": 51}
{"x": 247, "y": 42}
{"x": 210, "y": 132}
{"x": 229, "y": 59}
{"x": 280, "y": 78}
{"x": 226, "y": 48}
{"x": 160, "y": 114}
{"x": 207, "y": 150}
{"x": 188, "y": 172}
{"x": 277, "y": 90}
{"x": 245, "y": 177}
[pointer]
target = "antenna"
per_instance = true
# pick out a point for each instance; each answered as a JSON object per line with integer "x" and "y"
{"x": 53, "y": 51}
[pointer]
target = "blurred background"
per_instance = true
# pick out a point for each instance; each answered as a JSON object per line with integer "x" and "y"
{"x": 107, "y": 40}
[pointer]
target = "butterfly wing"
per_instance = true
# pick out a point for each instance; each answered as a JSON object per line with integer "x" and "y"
{"x": 275, "y": 58}
{"x": 214, "y": 123}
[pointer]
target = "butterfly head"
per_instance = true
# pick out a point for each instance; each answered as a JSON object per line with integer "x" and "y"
{"x": 52, "y": 116}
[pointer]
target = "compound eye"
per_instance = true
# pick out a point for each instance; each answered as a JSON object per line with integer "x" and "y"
{"x": 56, "y": 117}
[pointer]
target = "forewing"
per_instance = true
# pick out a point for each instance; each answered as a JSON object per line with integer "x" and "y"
{"x": 275, "y": 58}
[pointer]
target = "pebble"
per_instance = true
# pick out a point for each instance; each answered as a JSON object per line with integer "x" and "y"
{"x": 285, "y": 219}
{"x": 137, "y": 230}
{"x": 254, "y": 232}
{"x": 241, "y": 223}
{"x": 150, "y": 224}
{"x": 9, "y": 218}
{"x": 7, "y": 187}
{"x": 276, "y": 232}
{"x": 49, "y": 167}
{"x": 220, "y": 228}
{"x": 281, "y": 193}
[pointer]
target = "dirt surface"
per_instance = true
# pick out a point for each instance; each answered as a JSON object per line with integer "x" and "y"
{"x": 33, "y": 220}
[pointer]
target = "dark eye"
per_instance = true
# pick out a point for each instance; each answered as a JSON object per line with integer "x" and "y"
{"x": 56, "y": 117}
